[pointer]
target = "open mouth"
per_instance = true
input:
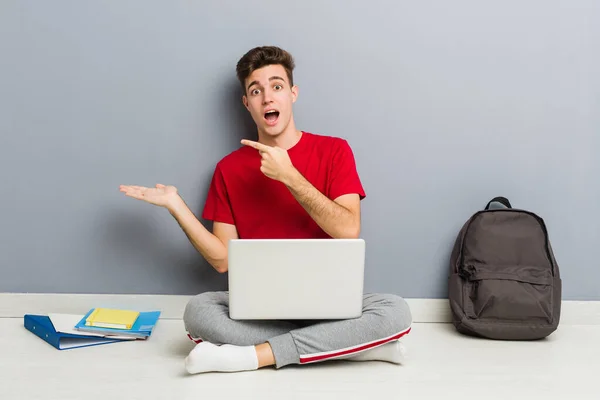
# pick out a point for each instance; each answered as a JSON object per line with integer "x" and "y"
{"x": 271, "y": 117}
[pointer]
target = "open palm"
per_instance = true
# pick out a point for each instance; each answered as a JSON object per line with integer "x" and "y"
{"x": 160, "y": 195}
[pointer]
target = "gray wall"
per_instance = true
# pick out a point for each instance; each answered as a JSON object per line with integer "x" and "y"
{"x": 446, "y": 104}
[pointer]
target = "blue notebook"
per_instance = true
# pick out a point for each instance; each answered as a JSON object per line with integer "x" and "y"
{"x": 141, "y": 329}
{"x": 42, "y": 326}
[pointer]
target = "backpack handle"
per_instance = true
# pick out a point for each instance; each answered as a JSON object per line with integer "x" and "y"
{"x": 502, "y": 200}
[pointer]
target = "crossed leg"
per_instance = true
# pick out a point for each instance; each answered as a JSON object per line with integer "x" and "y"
{"x": 230, "y": 345}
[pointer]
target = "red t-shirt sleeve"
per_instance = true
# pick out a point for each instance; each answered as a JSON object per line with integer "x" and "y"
{"x": 344, "y": 176}
{"x": 217, "y": 206}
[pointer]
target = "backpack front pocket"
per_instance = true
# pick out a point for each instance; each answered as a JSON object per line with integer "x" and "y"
{"x": 515, "y": 294}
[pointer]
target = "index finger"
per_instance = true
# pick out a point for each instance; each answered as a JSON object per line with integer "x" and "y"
{"x": 256, "y": 145}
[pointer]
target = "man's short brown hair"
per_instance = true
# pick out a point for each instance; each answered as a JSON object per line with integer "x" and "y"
{"x": 262, "y": 56}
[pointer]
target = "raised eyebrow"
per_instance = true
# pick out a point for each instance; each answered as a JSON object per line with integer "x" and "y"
{"x": 270, "y": 79}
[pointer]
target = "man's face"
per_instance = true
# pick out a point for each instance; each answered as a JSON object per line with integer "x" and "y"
{"x": 269, "y": 99}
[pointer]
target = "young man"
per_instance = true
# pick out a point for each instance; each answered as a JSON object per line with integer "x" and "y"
{"x": 288, "y": 184}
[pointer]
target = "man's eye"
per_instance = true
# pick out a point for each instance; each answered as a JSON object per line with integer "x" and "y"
{"x": 255, "y": 92}
{"x": 278, "y": 87}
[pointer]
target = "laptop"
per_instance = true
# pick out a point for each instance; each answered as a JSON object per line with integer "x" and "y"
{"x": 296, "y": 279}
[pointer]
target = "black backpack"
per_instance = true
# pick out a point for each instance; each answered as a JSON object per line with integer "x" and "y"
{"x": 504, "y": 281}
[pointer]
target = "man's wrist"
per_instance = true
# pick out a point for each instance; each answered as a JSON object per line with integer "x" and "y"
{"x": 292, "y": 178}
{"x": 176, "y": 205}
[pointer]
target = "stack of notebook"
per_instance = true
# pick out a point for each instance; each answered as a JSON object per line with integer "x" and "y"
{"x": 109, "y": 321}
{"x": 97, "y": 326}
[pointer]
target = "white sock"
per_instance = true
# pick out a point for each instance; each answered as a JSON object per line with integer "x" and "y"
{"x": 208, "y": 357}
{"x": 392, "y": 352}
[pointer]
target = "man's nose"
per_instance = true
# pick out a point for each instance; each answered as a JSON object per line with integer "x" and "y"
{"x": 267, "y": 97}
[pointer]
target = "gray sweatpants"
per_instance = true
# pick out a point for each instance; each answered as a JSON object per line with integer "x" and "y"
{"x": 385, "y": 318}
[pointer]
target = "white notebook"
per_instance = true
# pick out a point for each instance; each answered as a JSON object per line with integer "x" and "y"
{"x": 65, "y": 323}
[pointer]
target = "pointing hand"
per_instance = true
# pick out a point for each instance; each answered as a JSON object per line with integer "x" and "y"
{"x": 275, "y": 163}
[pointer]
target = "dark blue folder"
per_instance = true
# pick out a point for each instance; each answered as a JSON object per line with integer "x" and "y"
{"x": 42, "y": 326}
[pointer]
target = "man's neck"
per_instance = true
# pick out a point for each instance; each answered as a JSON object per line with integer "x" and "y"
{"x": 286, "y": 140}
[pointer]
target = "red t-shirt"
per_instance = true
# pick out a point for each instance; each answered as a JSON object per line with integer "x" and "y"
{"x": 263, "y": 208}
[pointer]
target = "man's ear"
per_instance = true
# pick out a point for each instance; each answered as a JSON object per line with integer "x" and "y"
{"x": 245, "y": 101}
{"x": 294, "y": 93}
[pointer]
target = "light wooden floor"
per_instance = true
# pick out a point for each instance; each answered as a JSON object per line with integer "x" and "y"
{"x": 440, "y": 364}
